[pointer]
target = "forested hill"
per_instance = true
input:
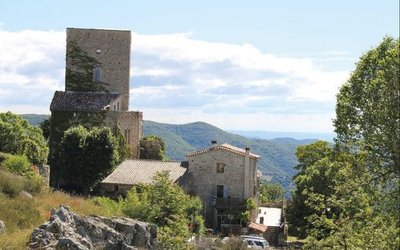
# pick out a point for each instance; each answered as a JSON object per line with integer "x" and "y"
{"x": 277, "y": 156}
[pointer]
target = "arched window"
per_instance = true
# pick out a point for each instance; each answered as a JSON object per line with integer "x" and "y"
{"x": 97, "y": 73}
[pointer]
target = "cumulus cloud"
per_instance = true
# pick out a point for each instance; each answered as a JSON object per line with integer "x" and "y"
{"x": 176, "y": 78}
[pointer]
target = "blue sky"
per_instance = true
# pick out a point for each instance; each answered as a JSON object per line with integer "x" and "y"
{"x": 245, "y": 65}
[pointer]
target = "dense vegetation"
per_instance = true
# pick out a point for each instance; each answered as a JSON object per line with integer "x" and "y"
{"x": 347, "y": 196}
{"x": 165, "y": 204}
{"x": 22, "y": 213}
{"x": 17, "y": 136}
{"x": 153, "y": 147}
{"x": 87, "y": 156}
{"x": 271, "y": 192}
{"x": 25, "y": 202}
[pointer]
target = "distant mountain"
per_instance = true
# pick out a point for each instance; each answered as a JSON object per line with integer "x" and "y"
{"x": 35, "y": 119}
{"x": 277, "y": 156}
{"x": 279, "y": 134}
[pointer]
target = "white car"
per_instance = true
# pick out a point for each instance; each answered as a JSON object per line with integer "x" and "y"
{"x": 255, "y": 242}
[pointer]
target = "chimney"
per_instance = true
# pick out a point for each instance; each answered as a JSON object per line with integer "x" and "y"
{"x": 247, "y": 174}
{"x": 213, "y": 144}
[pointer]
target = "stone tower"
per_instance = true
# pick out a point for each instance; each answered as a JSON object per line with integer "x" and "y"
{"x": 108, "y": 52}
{"x": 96, "y": 92}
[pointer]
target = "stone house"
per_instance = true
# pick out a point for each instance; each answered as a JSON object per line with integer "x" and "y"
{"x": 96, "y": 91}
{"x": 224, "y": 177}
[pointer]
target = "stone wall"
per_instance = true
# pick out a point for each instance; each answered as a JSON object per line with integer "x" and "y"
{"x": 204, "y": 168}
{"x": 111, "y": 49}
{"x": 131, "y": 125}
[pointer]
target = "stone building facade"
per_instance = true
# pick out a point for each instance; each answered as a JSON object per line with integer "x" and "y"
{"x": 96, "y": 90}
{"x": 224, "y": 177}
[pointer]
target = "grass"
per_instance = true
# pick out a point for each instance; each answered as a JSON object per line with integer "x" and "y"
{"x": 22, "y": 214}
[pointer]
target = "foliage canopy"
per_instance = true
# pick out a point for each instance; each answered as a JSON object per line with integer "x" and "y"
{"x": 346, "y": 197}
{"x": 20, "y": 138}
{"x": 87, "y": 156}
{"x": 165, "y": 204}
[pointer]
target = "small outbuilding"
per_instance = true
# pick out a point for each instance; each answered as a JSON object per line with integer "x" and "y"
{"x": 133, "y": 172}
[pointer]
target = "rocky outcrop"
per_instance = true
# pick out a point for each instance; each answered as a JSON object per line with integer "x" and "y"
{"x": 2, "y": 227}
{"x": 67, "y": 230}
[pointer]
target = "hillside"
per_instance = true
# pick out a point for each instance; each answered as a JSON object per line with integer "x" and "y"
{"x": 35, "y": 119}
{"x": 277, "y": 156}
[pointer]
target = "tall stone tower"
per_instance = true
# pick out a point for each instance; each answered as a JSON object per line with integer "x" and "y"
{"x": 96, "y": 92}
{"x": 108, "y": 53}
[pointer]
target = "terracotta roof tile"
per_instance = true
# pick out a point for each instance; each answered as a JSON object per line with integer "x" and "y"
{"x": 258, "y": 227}
{"x": 81, "y": 101}
{"x": 226, "y": 147}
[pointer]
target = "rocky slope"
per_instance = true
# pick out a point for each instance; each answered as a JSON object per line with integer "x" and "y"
{"x": 67, "y": 230}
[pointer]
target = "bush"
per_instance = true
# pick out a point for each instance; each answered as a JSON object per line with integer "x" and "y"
{"x": 109, "y": 206}
{"x": 12, "y": 185}
{"x": 34, "y": 184}
{"x": 4, "y": 156}
{"x": 17, "y": 164}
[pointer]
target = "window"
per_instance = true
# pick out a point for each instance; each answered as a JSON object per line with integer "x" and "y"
{"x": 127, "y": 135}
{"x": 261, "y": 220}
{"x": 118, "y": 106}
{"x": 259, "y": 211}
{"x": 97, "y": 73}
{"x": 220, "y": 167}
{"x": 220, "y": 191}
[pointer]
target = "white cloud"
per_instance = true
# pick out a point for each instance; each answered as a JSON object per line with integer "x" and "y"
{"x": 176, "y": 78}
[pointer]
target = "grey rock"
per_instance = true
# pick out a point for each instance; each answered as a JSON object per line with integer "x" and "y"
{"x": 2, "y": 227}
{"x": 26, "y": 194}
{"x": 67, "y": 230}
{"x": 70, "y": 244}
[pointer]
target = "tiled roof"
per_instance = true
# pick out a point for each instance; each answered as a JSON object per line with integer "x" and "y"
{"x": 226, "y": 147}
{"x": 81, "y": 101}
{"x": 258, "y": 227}
{"x": 142, "y": 171}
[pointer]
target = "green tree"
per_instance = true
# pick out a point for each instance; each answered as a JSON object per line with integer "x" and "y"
{"x": 18, "y": 164}
{"x": 368, "y": 121}
{"x": 165, "y": 204}
{"x": 347, "y": 197}
{"x": 45, "y": 127}
{"x": 87, "y": 156}
{"x": 314, "y": 184}
{"x": 152, "y": 147}
{"x": 18, "y": 137}
{"x": 368, "y": 109}
{"x": 271, "y": 192}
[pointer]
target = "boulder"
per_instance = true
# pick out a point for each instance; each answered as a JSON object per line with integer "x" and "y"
{"x": 2, "y": 227}
{"x": 67, "y": 230}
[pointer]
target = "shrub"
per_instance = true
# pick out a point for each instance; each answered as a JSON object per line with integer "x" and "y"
{"x": 17, "y": 164}
{"x": 109, "y": 206}
{"x": 4, "y": 156}
{"x": 10, "y": 184}
{"x": 34, "y": 184}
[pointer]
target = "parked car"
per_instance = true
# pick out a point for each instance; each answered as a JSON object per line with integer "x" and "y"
{"x": 255, "y": 242}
